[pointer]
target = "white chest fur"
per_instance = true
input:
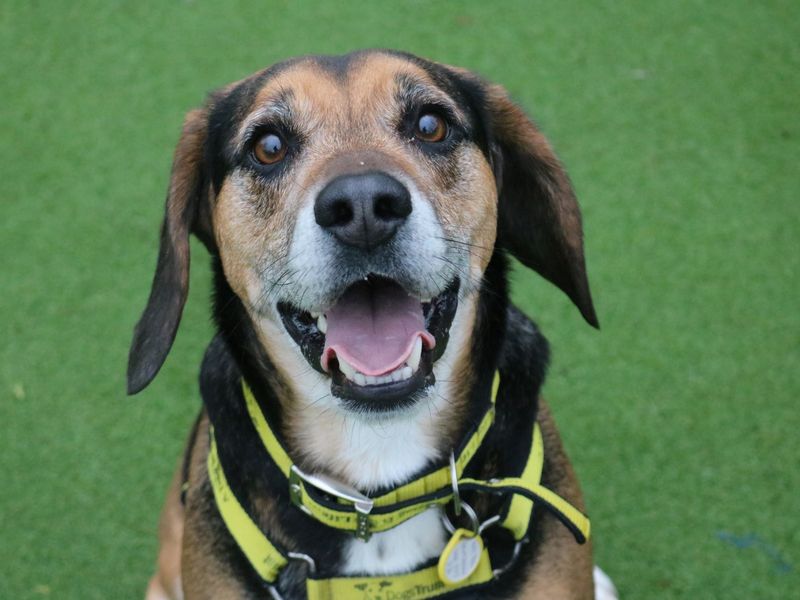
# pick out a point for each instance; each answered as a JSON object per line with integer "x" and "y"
{"x": 399, "y": 549}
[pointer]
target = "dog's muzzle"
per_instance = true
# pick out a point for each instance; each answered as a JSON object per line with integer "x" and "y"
{"x": 375, "y": 339}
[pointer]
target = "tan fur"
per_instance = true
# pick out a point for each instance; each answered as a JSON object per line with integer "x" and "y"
{"x": 204, "y": 578}
{"x": 350, "y": 120}
{"x": 563, "y": 570}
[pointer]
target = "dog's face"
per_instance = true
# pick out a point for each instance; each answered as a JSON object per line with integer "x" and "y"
{"x": 354, "y": 203}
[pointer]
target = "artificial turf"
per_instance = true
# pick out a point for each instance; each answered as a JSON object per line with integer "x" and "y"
{"x": 678, "y": 122}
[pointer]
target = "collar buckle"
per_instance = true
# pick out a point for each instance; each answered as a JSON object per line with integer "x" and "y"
{"x": 362, "y": 504}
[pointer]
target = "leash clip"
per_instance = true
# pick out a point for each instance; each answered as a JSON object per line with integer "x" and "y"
{"x": 362, "y": 504}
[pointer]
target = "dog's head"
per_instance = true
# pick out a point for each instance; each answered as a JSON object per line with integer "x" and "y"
{"x": 354, "y": 204}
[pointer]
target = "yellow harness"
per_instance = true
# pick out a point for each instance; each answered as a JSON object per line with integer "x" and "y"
{"x": 352, "y": 511}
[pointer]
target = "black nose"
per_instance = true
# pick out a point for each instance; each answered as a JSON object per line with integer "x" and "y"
{"x": 363, "y": 210}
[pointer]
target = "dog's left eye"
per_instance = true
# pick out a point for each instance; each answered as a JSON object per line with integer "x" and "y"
{"x": 430, "y": 128}
{"x": 270, "y": 149}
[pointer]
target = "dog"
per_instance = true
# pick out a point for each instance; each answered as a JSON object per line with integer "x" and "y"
{"x": 359, "y": 211}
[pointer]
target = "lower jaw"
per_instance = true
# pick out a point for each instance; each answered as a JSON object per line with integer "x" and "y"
{"x": 384, "y": 398}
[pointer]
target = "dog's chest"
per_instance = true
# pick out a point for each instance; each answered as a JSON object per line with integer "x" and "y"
{"x": 399, "y": 549}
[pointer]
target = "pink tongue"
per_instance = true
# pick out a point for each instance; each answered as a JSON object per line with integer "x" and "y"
{"x": 373, "y": 327}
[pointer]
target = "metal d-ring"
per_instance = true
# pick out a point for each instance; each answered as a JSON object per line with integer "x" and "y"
{"x": 470, "y": 512}
{"x": 488, "y": 523}
{"x": 312, "y": 566}
{"x": 511, "y": 561}
{"x": 272, "y": 588}
{"x": 273, "y": 592}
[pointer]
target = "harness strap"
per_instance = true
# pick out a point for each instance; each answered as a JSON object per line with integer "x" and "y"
{"x": 570, "y": 517}
{"x": 523, "y": 492}
{"x": 519, "y": 510}
{"x": 423, "y": 583}
{"x": 391, "y": 509}
{"x": 266, "y": 559}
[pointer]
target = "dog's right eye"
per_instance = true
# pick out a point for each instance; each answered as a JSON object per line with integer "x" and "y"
{"x": 430, "y": 128}
{"x": 270, "y": 149}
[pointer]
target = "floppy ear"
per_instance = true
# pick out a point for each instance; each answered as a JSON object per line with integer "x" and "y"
{"x": 155, "y": 332}
{"x": 539, "y": 220}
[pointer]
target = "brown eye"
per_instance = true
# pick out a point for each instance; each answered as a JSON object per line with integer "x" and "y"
{"x": 431, "y": 128}
{"x": 270, "y": 149}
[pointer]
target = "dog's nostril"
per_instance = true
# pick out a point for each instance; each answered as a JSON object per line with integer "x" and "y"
{"x": 390, "y": 206}
{"x": 342, "y": 212}
{"x": 383, "y": 207}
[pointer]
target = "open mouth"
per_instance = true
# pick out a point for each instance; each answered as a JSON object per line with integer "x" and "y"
{"x": 377, "y": 343}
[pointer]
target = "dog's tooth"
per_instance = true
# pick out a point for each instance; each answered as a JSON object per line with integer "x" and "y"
{"x": 396, "y": 375}
{"x": 322, "y": 324}
{"x": 425, "y": 300}
{"x": 314, "y": 315}
{"x": 416, "y": 353}
{"x": 405, "y": 372}
{"x": 371, "y": 379}
{"x": 346, "y": 368}
{"x": 359, "y": 378}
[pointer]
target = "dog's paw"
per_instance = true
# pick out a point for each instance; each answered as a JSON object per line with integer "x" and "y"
{"x": 604, "y": 588}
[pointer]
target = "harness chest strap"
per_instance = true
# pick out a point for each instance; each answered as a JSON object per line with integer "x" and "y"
{"x": 268, "y": 559}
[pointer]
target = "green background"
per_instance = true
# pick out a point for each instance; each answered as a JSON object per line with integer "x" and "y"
{"x": 678, "y": 122}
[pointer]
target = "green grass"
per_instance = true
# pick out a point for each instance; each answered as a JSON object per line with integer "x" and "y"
{"x": 679, "y": 124}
